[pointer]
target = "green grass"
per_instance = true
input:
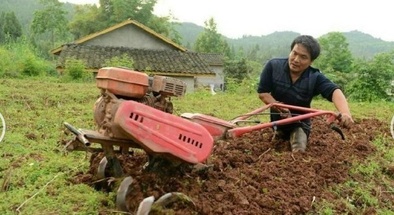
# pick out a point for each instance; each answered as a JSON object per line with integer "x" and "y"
{"x": 35, "y": 171}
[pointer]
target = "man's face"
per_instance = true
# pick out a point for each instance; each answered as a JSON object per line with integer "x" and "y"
{"x": 299, "y": 59}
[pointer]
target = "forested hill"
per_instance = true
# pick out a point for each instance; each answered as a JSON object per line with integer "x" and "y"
{"x": 24, "y": 10}
{"x": 361, "y": 45}
{"x": 277, "y": 43}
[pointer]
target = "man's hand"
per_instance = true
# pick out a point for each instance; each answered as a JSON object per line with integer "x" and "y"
{"x": 283, "y": 112}
{"x": 346, "y": 120}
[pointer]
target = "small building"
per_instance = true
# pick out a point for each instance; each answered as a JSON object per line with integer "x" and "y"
{"x": 150, "y": 52}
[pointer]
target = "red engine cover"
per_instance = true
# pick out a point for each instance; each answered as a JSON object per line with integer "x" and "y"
{"x": 123, "y": 82}
{"x": 164, "y": 133}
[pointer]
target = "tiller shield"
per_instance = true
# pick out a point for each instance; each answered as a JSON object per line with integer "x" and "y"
{"x": 158, "y": 132}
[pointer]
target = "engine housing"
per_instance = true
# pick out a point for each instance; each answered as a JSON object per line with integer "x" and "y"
{"x": 121, "y": 84}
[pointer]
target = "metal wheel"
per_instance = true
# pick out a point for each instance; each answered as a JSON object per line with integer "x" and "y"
{"x": 2, "y": 127}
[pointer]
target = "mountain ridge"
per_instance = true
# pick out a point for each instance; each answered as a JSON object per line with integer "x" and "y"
{"x": 361, "y": 44}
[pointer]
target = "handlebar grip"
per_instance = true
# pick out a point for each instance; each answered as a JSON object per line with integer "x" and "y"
{"x": 80, "y": 136}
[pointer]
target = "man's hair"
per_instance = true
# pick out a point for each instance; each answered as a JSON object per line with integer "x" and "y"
{"x": 310, "y": 43}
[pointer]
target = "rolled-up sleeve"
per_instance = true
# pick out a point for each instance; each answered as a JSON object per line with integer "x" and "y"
{"x": 325, "y": 87}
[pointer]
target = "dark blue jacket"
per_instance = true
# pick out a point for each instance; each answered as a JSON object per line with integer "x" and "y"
{"x": 275, "y": 79}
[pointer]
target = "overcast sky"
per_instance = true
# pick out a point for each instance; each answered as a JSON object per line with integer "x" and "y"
{"x": 254, "y": 17}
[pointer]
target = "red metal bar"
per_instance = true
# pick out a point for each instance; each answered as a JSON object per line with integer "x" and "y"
{"x": 236, "y": 132}
{"x": 292, "y": 107}
{"x": 265, "y": 107}
{"x": 258, "y": 110}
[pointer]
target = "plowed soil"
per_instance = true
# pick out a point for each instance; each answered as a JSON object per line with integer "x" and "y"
{"x": 254, "y": 174}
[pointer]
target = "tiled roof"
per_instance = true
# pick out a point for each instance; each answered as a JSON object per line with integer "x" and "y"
{"x": 213, "y": 59}
{"x": 160, "y": 61}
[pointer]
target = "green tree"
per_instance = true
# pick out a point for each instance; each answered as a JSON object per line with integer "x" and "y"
{"x": 238, "y": 70}
{"x": 210, "y": 41}
{"x": 10, "y": 25}
{"x": 373, "y": 79}
{"x": 254, "y": 53}
{"x": 141, "y": 11}
{"x": 164, "y": 26}
{"x": 90, "y": 19}
{"x": 335, "y": 54}
{"x": 51, "y": 19}
{"x": 106, "y": 8}
{"x": 2, "y": 37}
{"x": 85, "y": 21}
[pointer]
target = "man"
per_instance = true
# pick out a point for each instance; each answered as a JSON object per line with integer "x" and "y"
{"x": 293, "y": 81}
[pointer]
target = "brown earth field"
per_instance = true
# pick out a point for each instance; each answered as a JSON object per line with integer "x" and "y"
{"x": 254, "y": 175}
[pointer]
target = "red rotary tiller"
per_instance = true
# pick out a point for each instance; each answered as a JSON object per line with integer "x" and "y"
{"x": 135, "y": 112}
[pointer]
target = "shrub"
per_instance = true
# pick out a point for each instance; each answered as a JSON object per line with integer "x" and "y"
{"x": 120, "y": 61}
{"x": 18, "y": 59}
{"x": 373, "y": 79}
{"x": 75, "y": 69}
{"x": 31, "y": 65}
{"x": 7, "y": 67}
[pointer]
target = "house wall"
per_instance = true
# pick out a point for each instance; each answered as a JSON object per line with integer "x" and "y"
{"x": 189, "y": 80}
{"x": 217, "y": 81}
{"x": 132, "y": 37}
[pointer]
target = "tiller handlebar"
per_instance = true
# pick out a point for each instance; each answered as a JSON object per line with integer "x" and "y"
{"x": 220, "y": 129}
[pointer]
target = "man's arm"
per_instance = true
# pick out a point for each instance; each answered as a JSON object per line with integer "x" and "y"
{"x": 266, "y": 98}
{"x": 341, "y": 104}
